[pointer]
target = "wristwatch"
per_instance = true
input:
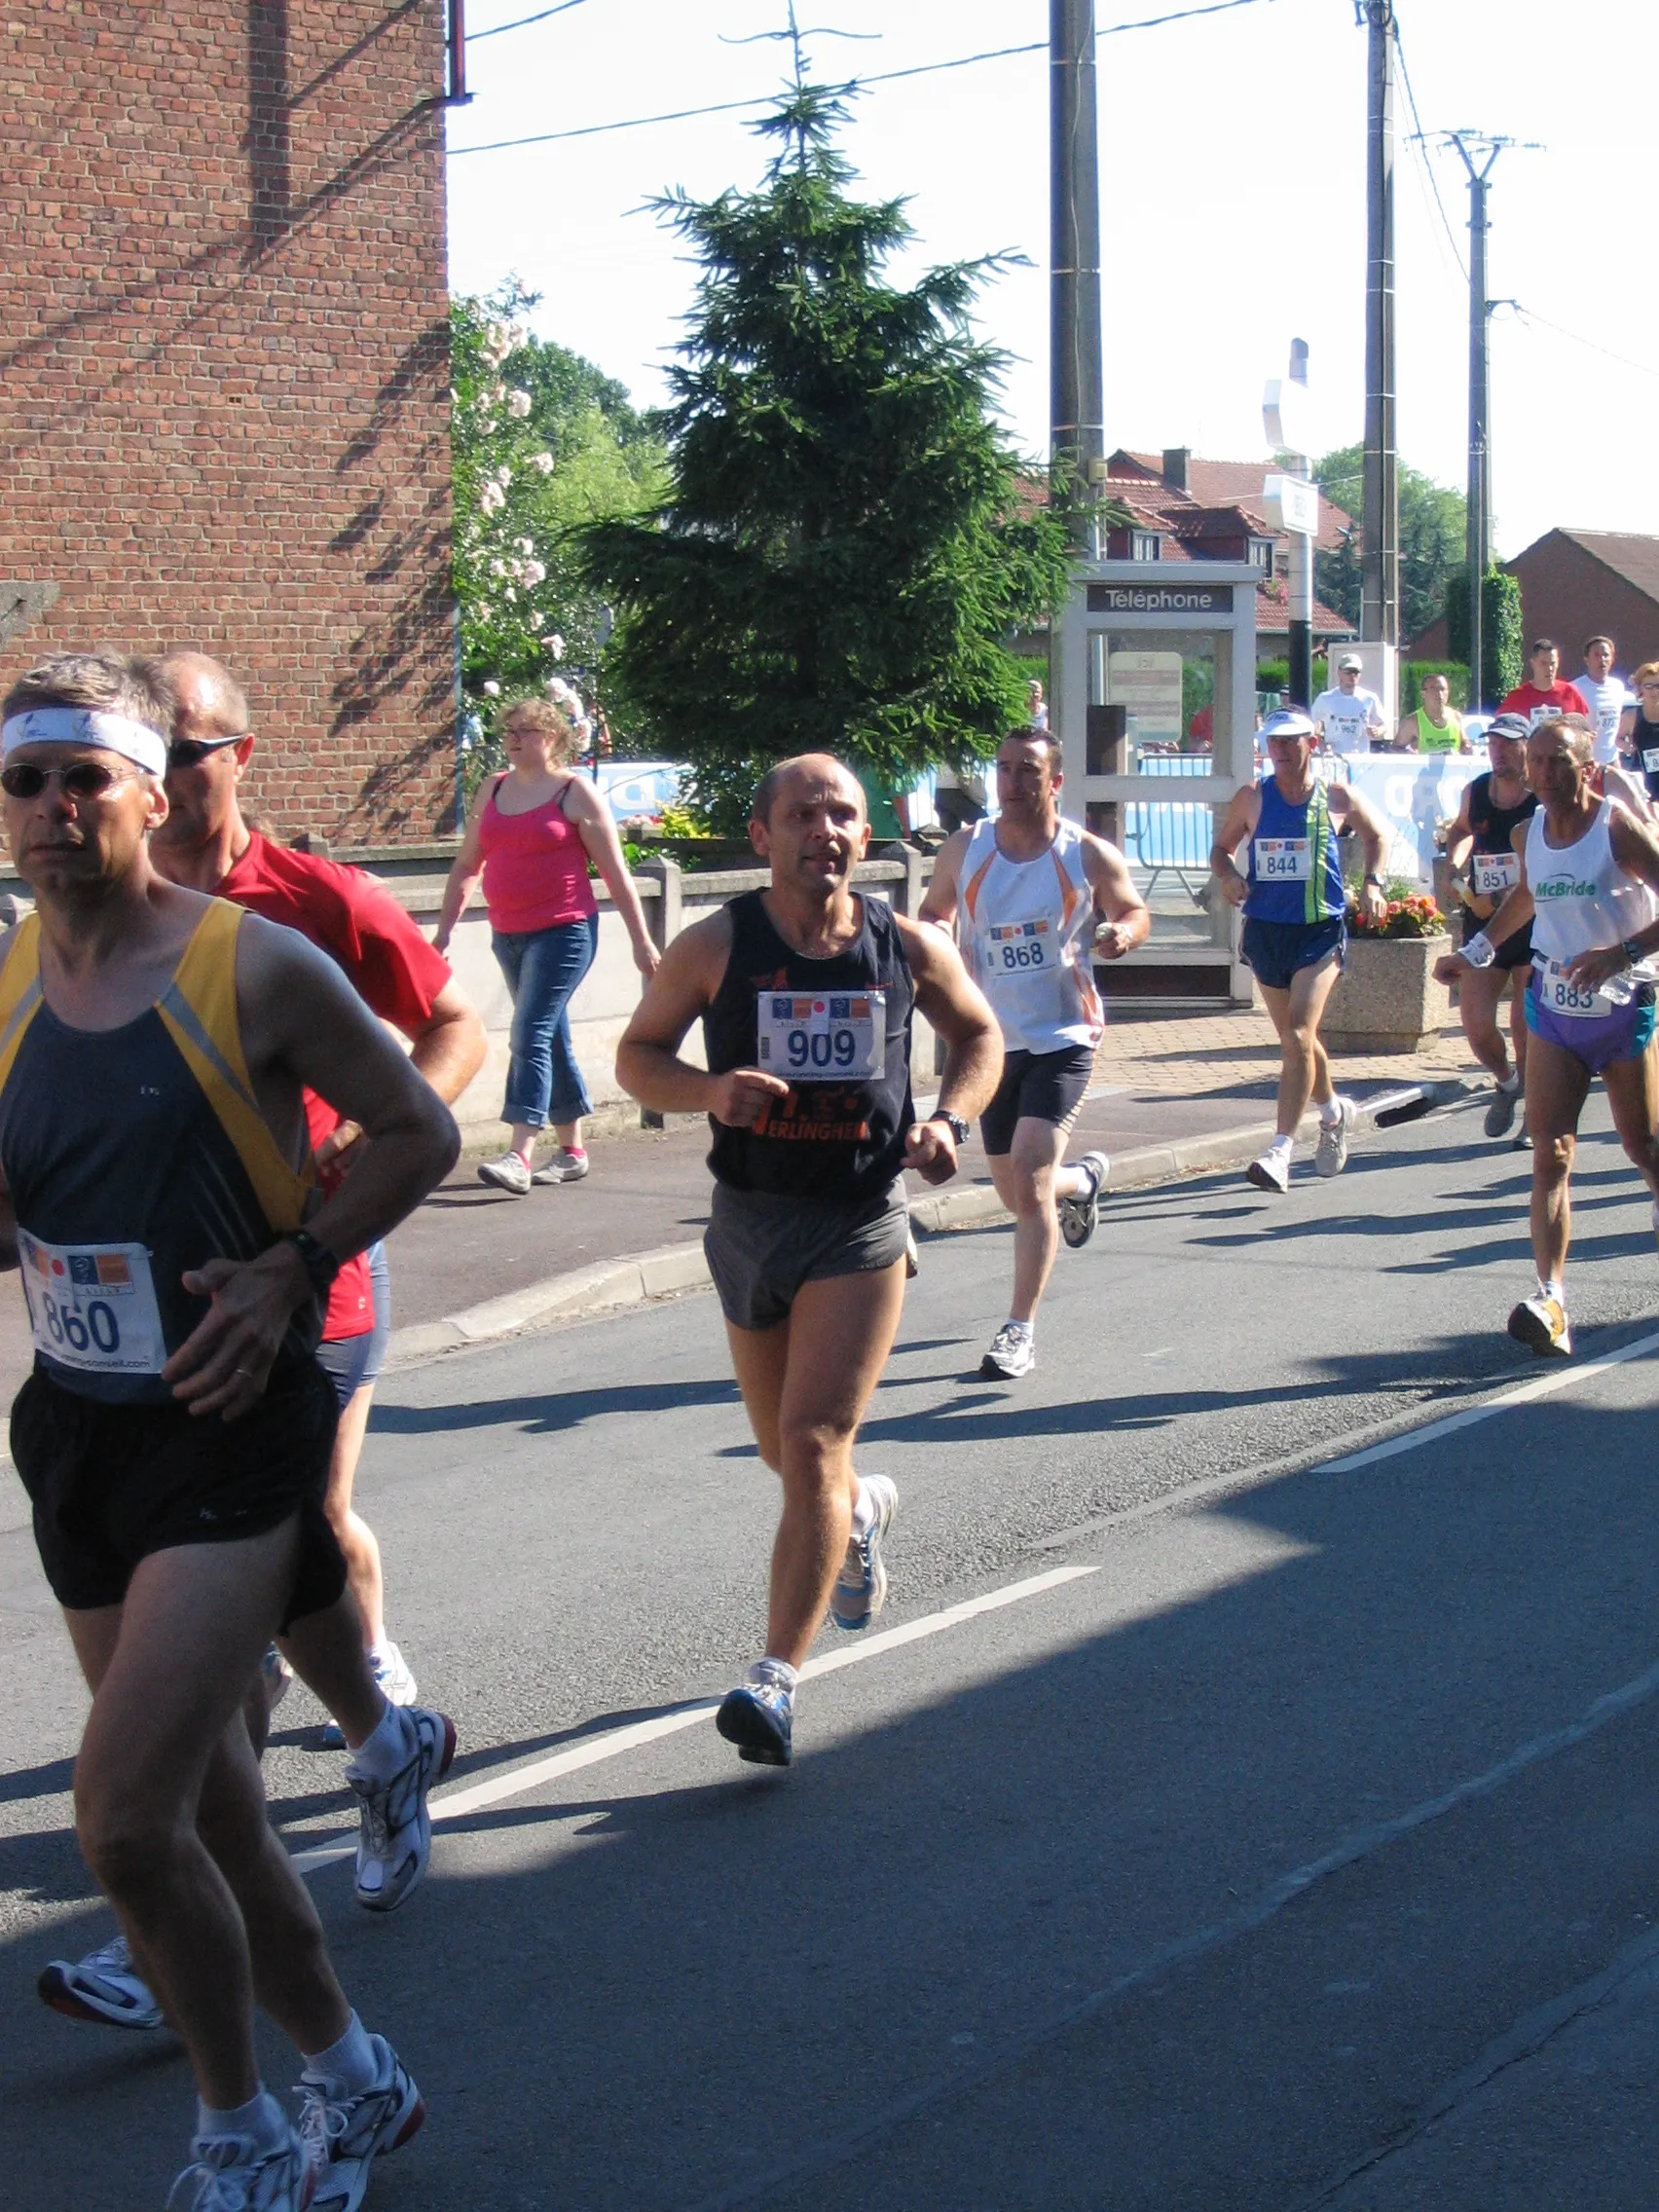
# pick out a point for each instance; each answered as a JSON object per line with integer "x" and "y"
{"x": 954, "y": 1123}
{"x": 317, "y": 1258}
{"x": 1371, "y": 876}
{"x": 1633, "y": 951}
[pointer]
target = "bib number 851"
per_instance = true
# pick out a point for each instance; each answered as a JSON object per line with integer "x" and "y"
{"x": 67, "y": 1325}
{"x": 825, "y": 1048}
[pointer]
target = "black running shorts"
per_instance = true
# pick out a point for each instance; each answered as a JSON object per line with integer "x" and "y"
{"x": 761, "y": 1246}
{"x": 1037, "y": 1087}
{"x": 111, "y": 1484}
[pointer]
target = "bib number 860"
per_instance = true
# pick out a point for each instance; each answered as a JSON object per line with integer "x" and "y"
{"x": 67, "y": 1325}
{"x": 823, "y": 1049}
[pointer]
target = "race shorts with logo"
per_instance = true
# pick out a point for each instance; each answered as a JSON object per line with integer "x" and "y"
{"x": 1597, "y": 1038}
{"x": 1041, "y": 1087}
{"x": 762, "y": 1246}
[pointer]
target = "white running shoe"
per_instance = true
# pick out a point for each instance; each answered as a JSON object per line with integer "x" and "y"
{"x": 1080, "y": 1215}
{"x": 1501, "y": 1114}
{"x": 1272, "y": 1173}
{"x": 343, "y": 2140}
{"x": 101, "y": 1987}
{"x": 1012, "y": 1353}
{"x": 1540, "y": 1324}
{"x": 508, "y": 1173}
{"x": 394, "y": 1829}
{"x": 861, "y": 1587}
{"x": 393, "y": 1678}
{"x": 1332, "y": 1156}
{"x": 277, "y": 1677}
{"x": 563, "y": 1167}
{"x": 229, "y": 2173}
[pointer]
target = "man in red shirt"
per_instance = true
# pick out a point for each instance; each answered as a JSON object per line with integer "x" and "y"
{"x": 1543, "y": 695}
{"x": 343, "y": 1653}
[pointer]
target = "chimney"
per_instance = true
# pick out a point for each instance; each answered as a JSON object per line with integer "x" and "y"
{"x": 1175, "y": 459}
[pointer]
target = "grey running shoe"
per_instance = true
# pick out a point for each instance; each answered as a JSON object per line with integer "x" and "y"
{"x": 101, "y": 1987}
{"x": 229, "y": 2173}
{"x": 1272, "y": 1173}
{"x": 1080, "y": 1215}
{"x": 1501, "y": 1114}
{"x": 342, "y": 2140}
{"x": 394, "y": 1829}
{"x": 861, "y": 1587}
{"x": 1540, "y": 1324}
{"x": 563, "y": 1167}
{"x": 1012, "y": 1353}
{"x": 1332, "y": 1156}
{"x": 277, "y": 1677}
{"x": 508, "y": 1173}
{"x": 758, "y": 1717}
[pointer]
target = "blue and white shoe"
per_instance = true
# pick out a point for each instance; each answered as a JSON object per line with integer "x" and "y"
{"x": 343, "y": 2140}
{"x": 101, "y": 1987}
{"x": 756, "y": 1717}
{"x": 229, "y": 2173}
{"x": 861, "y": 1587}
{"x": 395, "y": 1829}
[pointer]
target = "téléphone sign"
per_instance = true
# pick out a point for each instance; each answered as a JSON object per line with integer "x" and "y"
{"x": 1160, "y": 599}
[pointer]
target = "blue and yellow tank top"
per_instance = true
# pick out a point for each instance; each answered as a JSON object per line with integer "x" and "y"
{"x": 133, "y": 1154}
{"x": 1295, "y": 871}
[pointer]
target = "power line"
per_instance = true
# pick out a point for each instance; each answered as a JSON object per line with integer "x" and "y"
{"x": 1531, "y": 314}
{"x": 852, "y": 84}
{"x": 523, "y": 21}
{"x": 1421, "y": 143}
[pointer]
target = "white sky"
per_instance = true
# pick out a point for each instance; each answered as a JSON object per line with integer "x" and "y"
{"x": 1223, "y": 142}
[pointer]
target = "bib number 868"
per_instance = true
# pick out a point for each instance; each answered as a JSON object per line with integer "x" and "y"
{"x": 820, "y": 1048}
{"x": 1027, "y": 953}
{"x": 68, "y": 1326}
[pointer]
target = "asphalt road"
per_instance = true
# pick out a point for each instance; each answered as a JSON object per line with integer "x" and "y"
{"x": 1210, "y": 1822}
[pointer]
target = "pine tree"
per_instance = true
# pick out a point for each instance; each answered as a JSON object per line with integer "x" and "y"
{"x": 849, "y": 543}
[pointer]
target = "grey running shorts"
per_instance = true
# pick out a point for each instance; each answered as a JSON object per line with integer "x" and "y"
{"x": 761, "y": 1247}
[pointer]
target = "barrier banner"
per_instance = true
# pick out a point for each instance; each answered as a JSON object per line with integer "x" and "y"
{"x": 1414, "y": 792}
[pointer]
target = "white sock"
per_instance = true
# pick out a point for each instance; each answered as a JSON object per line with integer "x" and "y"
{"x": 1024, "y": 1329}
{"x": 261, "y": 2119}
{"x": 379, "y": 1755}
{"x": 1552, "y": 1290}
{"x": 1282, "y": 1148}
{"x": 1331, "y": 1113}
{"x": 778, "y": 1672}
{"x": 349, "y": 2066}
{"x": 1510, "y": 1083}
{"x": 863, "y": 1510}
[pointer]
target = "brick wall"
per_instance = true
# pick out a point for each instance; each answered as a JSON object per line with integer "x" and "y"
{"x": 1567, "y": 594}
{"x": 224, "y": 372}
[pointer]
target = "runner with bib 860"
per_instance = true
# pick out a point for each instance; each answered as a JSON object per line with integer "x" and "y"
{"x": 1588, "y": 882}
{"x": 1480, "y": 853}
{"x": 1295, "y": 932}
{"x": 1033, "y": 899}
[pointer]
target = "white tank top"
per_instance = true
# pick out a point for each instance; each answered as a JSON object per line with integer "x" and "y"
{"x": 1584, "y": 901}
{"x": 1025, "y": 928}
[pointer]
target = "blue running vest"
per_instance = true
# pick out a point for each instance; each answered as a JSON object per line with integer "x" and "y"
{"x": 1321, "y": 898}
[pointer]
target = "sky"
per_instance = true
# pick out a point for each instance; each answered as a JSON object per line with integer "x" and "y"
{"x": 1233, "y": 208}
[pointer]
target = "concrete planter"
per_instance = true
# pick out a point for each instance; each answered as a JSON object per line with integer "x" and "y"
{"x": 1386, "y": 999}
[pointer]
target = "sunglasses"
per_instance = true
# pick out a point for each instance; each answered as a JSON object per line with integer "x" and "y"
{"x": 191, "y": 751}
{"x": 81, "y": 779}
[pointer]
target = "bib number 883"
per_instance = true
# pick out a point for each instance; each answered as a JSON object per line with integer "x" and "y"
{"x": 97, "y": 1327}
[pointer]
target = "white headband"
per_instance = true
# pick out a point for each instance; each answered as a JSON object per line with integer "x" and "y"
{"x": 134, "y": 741}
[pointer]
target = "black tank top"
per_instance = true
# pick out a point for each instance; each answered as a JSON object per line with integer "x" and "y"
{"x": 839, "y": 1140}
{"x": 1644, "y": 739}
{"x": 1494, "y": 827}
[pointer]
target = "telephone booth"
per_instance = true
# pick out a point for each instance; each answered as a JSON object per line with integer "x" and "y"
{"x": 1154, "y": 708}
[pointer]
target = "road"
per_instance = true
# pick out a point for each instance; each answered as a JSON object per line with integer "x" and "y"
{"x": 1247, "y": 1799}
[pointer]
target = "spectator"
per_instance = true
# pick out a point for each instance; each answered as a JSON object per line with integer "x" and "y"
{"x": 1036, "y": 706}
{"x": 1604, "y": 695}
{"x": 1437, "y": 726}
{"x": 1349, "y": 719}
{"x": 529, "y": 835}
{"x": 1543, "y": 695}
{"x": 1638, "y": 728}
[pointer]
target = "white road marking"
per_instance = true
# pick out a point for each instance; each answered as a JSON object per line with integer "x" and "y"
{"x": 617, "y": 1742}
{"x": 1546, "y": 1386}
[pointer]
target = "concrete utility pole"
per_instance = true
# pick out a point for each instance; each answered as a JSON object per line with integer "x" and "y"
{"x": 1478, "y": 524}
{"x": 1076, "y": 383}
{"x": 1380, "y": 589}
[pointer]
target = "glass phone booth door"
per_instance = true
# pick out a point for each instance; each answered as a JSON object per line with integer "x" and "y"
{"x": 1157, "y": 697}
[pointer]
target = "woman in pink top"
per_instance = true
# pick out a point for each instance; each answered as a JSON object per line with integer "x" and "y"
{"x": 531, "y": 835}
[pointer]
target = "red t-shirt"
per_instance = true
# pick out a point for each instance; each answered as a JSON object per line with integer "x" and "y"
{"x": 385, "y": 960}
{"x": 1560, "y": 699}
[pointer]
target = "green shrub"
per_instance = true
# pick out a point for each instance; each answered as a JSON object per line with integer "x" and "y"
{"x": 1413, "y": 672}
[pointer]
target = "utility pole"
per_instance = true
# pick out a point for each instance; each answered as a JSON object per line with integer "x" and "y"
{"x": 1480, "y": 162}
{"x": 1076, "y": 383}
{"x": 1380, "y": 589}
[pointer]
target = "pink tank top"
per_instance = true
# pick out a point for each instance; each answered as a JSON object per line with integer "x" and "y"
{"x": 534, "y": 866}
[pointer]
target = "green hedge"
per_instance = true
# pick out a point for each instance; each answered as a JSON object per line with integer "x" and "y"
{"x": 1502, "y": 641}
{"x": 1413, "y": 672}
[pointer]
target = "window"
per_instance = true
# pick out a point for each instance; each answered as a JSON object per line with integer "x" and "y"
{"x": 1145, "y": 545}
{"x": 1262, "y": 554}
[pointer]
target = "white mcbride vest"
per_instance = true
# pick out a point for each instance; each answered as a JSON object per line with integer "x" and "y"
{"x": 1584, "y": 901}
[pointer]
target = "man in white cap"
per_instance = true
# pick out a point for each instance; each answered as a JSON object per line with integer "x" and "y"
{"x": 1349, "y": 718}
{"x": 1295, "y": 934}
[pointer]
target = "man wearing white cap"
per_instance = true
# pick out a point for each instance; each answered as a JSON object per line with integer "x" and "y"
{"x": 1348, "y": 718}
{"x": 1295, "y": 934}
{"x": 156, "y": 1194}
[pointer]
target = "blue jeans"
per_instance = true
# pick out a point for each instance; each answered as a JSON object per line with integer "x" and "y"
{"x": 543, "y": 968}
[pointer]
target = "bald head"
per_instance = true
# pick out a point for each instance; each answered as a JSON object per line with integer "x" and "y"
{"x": 812, "y": 772}
{"x": 211, "y": 703}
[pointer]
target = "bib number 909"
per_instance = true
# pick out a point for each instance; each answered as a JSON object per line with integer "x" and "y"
{"x": 824, "y": 1052}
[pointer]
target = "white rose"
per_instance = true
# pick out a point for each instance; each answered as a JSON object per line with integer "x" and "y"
{"x": 492, "y": 689}
{"x": 542, "y": 461}
{"x": 555, "y": 645}
{"x": 518, "y": 403}
{"x": 531, "y": 574}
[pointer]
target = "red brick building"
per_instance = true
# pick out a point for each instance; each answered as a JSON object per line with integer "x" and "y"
{"x": 224, "y": 399}
{"x": 1575, "y": 584}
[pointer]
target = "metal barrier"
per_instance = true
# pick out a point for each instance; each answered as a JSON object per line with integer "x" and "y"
{"x": 1166, "y": 838}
